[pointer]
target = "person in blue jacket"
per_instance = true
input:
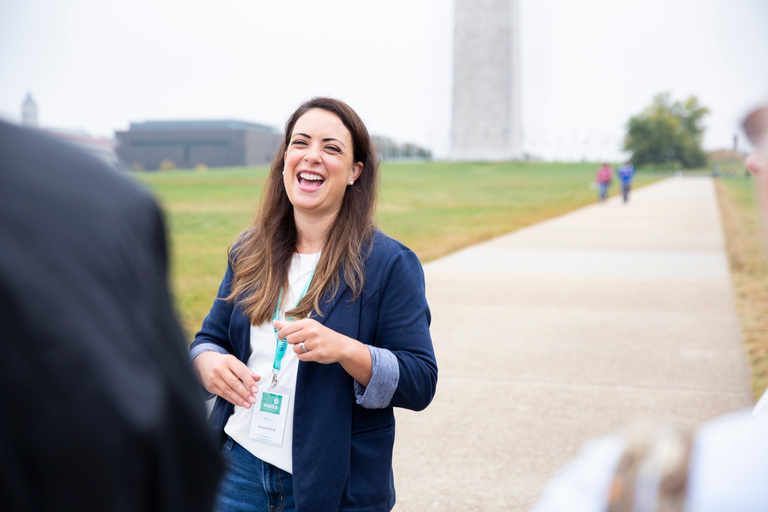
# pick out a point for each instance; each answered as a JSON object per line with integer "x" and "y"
{"x": 319, "y": 329}
{"x": 626, "y": 172}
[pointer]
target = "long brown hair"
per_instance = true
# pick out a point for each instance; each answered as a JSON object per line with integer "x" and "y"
{"x": 261, "y": 257}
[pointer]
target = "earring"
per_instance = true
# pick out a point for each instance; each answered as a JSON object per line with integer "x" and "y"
{"x": 352, "y": 182}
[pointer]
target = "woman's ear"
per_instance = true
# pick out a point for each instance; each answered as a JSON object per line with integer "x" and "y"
{"x": 357, "y": 169}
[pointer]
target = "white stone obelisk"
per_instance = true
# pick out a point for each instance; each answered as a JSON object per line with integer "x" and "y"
{"x": 486, "y": 81}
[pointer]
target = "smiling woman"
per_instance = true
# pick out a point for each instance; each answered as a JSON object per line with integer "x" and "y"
{"x": 312, "y": 272}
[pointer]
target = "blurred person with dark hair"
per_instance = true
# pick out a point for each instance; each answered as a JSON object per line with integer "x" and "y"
{"x": 99, "y": 406}
{"x": 320, "y": 328}
{"x": 663, "y": 467}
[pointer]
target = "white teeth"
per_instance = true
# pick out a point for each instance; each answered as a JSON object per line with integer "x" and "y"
{"x": 311, "y": 177}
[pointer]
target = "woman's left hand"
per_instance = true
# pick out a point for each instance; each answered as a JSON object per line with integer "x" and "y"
{"x": 312, "y": 341}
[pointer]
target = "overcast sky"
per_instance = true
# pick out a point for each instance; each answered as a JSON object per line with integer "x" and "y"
{"x": 587, "y": 65}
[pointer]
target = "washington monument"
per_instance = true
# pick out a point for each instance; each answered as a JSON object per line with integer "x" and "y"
{"x": 486, "y": 81}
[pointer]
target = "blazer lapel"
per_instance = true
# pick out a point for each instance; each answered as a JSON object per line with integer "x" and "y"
{"x": 328, "y": 302}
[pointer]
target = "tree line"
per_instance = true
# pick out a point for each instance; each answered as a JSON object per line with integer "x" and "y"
{"x": 668, "y": 134}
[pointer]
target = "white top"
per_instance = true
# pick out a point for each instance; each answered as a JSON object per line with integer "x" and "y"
{"x": 263, "y": 344}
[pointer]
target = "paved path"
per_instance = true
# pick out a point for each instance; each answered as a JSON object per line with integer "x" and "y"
{"x": 563, "y": 332}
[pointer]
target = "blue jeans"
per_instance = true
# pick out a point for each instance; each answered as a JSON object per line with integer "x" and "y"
{"x": 602, "y": 190}
{"x": 250, "y": 484}
{"x": 625, "y": 191}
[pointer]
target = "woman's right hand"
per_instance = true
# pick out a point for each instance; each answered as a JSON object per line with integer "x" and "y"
{"x": 226, "y": 376}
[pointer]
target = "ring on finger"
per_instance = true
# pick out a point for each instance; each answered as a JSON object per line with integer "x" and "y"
{"x": 303, "y": 347}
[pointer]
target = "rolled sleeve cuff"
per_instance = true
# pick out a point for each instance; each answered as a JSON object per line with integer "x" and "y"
{"x": 205, "y": 347}
{"x": 384, "y": 378}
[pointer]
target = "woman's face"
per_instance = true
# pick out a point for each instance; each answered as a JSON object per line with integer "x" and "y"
{"x": 319, "y": 164}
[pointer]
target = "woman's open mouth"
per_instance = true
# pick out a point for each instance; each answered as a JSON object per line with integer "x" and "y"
{"x": 309, "y": 181}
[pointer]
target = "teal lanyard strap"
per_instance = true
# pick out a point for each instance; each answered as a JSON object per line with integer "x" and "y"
{"x": 282, "y": 345}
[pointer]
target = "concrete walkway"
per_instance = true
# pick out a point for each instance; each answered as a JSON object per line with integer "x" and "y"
{"x": 566, "y": 331}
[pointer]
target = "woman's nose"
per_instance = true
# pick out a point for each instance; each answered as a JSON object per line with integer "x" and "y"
{"x": 312, "y": 155}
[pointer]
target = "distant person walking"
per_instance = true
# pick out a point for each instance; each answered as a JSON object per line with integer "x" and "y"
{"x": 603, "y": 179}
{"x": 626, "y": 172}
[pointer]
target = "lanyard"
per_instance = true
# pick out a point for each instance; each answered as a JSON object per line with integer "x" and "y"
{"x": 282, "y": 345}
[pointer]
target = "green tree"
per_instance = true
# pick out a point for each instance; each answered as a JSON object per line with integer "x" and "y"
{"x": 668, "y": 134}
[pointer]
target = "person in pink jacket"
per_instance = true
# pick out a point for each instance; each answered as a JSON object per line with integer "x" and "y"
{"x": 603, "y": 179}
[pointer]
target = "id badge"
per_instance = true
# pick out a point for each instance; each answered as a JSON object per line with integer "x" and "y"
{"x": 269, "y": 414}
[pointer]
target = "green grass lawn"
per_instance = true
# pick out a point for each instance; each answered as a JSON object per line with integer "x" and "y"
{"x": 434, "y": 208}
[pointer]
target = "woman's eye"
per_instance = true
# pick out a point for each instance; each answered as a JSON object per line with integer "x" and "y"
{"x": 333, "y": 149}
{"x": 299, "y": 143}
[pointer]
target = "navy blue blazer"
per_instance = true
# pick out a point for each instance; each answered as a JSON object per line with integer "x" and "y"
{"x": 342, "y": 452}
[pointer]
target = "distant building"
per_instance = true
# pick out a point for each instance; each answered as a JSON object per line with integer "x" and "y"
{"x": 188, "y": 144}
{"x": 98, "y": 147}
{"x": 29, "y": 112}
{"x": 388, "y": 149}
{"x": 101, "y": 148}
